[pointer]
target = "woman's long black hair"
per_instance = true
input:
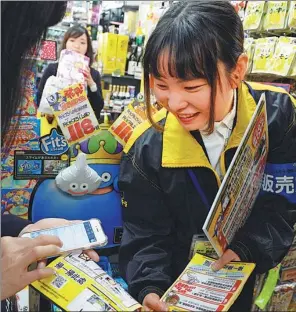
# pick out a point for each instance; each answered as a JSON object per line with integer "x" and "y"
{"x": 196, "y": 35}
{"x": 23, "y": 23}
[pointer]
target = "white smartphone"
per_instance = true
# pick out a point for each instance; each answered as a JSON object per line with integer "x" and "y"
{"x": 77, "y": 236}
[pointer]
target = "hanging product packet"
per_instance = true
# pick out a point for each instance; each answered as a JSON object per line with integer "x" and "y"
{"x": 72, "y": 65}
{"x": 82, "y": 285}
{"x": 282, "y": 297}
{"x": 268, "y": 288}
{"x": 283, "y": 61}
{"x": 292, "y": 15}
{"x": 74, "y": 113}
{"x": 254, "y": 15}
{"x": 199, "y": 288}
{"x": 249, "y": 46}
{"x": 263, "y": 55}
{"x": 133, "y": 115}
{"x": 276, "y": 15}
{"x": 54, "y": 84}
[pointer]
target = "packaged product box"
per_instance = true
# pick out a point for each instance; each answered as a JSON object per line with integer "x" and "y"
{"x": 71, "y": 66}
{"x": 81, "y": 285}
{"x": 28, "y": 129}
{"x": 263, "y": 55}
{"x": 249, "y": 46}
{"x": 107, "y": 52}
{"x": 288, "y": 274}
{"x": 26, "y": 138}
{"x": 7, "y": 166}
{"x": 276, "y": 15}
{"x": 290, "y": 259}
{"x": 199, "y": 288}
{"x": 284, "y": 58}
{"x": 121, "y": 53}
{"x": 16, "y": 201}
{"x": 254, "y": 15}
{"x": 282, "y": 297}
{"x": 292, "y": 15}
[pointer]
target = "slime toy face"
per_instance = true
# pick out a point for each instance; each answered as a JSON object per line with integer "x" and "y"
{"x": 104, "y": 202}
{"x": 78, "y": 179}
{"x": 48, "y": 201}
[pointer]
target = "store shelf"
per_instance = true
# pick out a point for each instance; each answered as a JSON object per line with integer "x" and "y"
{"x": 123, "y": 77}
{"x": 270, "y": 33}
{"x": 116, "y": 23}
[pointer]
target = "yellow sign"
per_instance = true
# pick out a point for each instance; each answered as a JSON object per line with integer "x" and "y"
{"x": 199, "y": 288}
{"x": 81, "y": 285}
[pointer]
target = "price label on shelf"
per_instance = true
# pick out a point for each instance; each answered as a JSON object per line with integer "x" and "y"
{"x": 74, "y": 113}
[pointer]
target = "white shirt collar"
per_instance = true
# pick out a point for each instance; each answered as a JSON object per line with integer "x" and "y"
{"x": 216, "y": 141}
{"x": 229, "y": 118}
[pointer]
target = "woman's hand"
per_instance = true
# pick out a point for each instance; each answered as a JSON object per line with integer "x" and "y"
{"x": 152, "y": 302}
{"x": 55, "y": 222}
{"x": 17, "y": 254}
{"x": 227, "y": 257}
{"x": 88, "y": 77}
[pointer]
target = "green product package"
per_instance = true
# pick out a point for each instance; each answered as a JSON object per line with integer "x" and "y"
{"x": 276, "y": 15}
{"x": 254, "y": 15}
{"x": 292, "y": 15}
{"x": 268, "y": 288}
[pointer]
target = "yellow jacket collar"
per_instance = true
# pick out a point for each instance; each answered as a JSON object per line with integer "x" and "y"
{"x": 180, "y": 149}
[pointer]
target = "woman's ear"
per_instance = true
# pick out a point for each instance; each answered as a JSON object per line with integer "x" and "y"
{"x": 240, "y": 70}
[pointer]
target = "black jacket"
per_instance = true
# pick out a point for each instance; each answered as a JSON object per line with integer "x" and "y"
{"x": 95, "y": 98}
{"x": 162, "y": 210}
{"x": 12, "y": 225}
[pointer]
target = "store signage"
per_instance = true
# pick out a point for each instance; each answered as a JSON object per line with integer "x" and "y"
{"x": 53, "y": 143}
{"x": 36, "y": 164}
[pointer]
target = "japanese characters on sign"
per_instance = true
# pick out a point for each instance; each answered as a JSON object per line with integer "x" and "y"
{"x": 74, "y": 113}
{"x": 199, "y": 288}
{"x": 37, "y": 164}
{"x": 280, "y": 179}
{"x": 81, "y": 285}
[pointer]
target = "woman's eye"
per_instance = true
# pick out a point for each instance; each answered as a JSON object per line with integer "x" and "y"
{"x": 162, "y": 87}
{"x": 193, "y": 88}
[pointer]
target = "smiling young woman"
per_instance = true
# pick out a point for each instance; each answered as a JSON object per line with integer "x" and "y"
{"x": 194, "y": 62}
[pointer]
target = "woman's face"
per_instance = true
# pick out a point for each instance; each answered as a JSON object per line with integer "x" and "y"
{"x": 189, "y": 100}
{"x": 78, "y": 44}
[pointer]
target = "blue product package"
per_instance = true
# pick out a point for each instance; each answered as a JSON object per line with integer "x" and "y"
{"x": 121, "y": 282}
{"x": 104, "y": 263}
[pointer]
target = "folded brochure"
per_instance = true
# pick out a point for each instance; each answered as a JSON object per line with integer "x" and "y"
{"x": 199, "y": 288}
{"x": 81, "y": 285}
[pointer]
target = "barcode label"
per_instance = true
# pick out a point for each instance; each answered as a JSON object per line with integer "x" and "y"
{"x": 59, "y": 282}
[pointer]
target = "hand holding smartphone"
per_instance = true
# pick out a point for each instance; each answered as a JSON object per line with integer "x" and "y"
{"x": 76, "y": 236}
